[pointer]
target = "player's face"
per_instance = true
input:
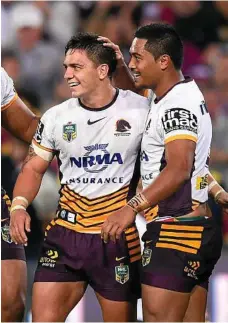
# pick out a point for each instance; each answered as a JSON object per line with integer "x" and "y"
{"x": 145, "y": 69}
{"x": 80, "y": 73}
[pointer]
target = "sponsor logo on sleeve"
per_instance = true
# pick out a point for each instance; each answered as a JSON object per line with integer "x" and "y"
{"x": 201, "y": 182}
{"x": 179, "y": 119}
{"x": 39, "y": 131}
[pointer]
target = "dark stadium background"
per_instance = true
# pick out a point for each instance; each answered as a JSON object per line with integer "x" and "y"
{"x": 33, "y": 37}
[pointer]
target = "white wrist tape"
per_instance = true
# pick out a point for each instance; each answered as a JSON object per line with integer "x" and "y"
{"x": 22, "y": 199}
{"x": 17, "y": 207}
{"x": 211, "y": 185}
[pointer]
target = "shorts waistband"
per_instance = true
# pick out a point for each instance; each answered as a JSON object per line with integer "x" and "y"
{"x": 68, "y": 220}
{"x": 179, "y": 218}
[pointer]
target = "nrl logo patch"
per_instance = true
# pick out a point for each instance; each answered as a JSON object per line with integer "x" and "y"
{"x": 5, "y": 234}
{"x": 69, "y": 132}
{"x": 147, "y": 253}
{"x": 122, "y": 273}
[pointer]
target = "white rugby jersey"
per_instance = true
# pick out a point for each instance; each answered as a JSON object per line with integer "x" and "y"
{"x": 180, "y": 114}
{"x": 8, "y": 94}
{"x": 97, "y": 151}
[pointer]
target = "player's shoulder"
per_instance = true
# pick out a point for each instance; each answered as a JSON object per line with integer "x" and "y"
{"x": 128, "y": 94}
{"x": 56, "y": 111}
{"x": 3, "y": 72}
{"x": 5, "y": 79}
{"x": 134, "y": 100}
{"x": 186, "y": 95}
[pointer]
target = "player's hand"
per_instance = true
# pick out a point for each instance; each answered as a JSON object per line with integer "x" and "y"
{"x": 222, "y": 200}
{"x": 19, "y": 224}
{"x": 107, "y": 42}
{"x": 116, "y": 223}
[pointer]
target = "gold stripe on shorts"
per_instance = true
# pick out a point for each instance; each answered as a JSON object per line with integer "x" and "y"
{"x": 133, "y": 244}
{"x": 183, "y": 238}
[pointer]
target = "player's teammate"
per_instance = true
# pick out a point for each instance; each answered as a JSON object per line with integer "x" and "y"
{"x": 182, "y": 244}
{"x": 96, "y": 137}
{"x": 22, "y": 123}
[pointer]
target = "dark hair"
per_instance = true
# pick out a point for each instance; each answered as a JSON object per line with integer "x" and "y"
{"x": 162, "y": 39}
{"x": 95, "y": 50}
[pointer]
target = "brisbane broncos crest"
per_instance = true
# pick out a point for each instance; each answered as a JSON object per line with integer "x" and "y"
{"x": 122, "y": 128}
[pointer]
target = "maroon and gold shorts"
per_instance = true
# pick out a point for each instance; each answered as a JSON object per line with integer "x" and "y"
{"x": 180, "y": 255}
{"x": 9, "y": 250}
{"x": 112, "y": 269}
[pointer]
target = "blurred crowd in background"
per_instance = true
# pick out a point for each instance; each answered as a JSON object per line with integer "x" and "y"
{"x": 34, "y": 35}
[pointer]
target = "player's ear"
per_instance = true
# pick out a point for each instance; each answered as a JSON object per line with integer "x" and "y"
{"x": 164, "y": 62}
{"x": 103, "y": 71}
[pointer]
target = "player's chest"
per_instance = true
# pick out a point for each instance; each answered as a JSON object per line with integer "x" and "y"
{"x": 153, "y": 129}
{"x": 94, "y": 130}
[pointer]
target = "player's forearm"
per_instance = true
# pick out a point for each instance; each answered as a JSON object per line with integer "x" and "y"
{"x": 123, "y": 78}
{"x": 28, "y": 184}
{"x": 165, "y": 185}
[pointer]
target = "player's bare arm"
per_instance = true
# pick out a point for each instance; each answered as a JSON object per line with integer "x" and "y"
{"x": 25, "y": 190}
{"x": 171, "y": 178}
{"x": 20, "y": 121}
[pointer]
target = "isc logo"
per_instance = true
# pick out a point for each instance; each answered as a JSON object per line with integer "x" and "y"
{"x": 90, "y": 161}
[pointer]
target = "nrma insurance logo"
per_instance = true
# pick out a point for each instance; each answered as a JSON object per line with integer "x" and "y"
{"x": 96, "y": 159}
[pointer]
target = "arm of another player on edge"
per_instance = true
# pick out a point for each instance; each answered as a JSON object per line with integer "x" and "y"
{"x": 20, "y": 121}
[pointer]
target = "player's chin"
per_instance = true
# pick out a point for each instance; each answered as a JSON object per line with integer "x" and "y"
{"x": 140, "y": 85}
{"x": 75, "y": 94}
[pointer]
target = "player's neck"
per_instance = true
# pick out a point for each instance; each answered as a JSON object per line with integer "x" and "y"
{"x": 100, "y": 97}
{"x": 168, "y": 82}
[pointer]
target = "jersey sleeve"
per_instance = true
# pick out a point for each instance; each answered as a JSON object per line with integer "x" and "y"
{"x": 179, "y": 123}
{"x": 8, "y": 93}
{"x": 43, "y": 142}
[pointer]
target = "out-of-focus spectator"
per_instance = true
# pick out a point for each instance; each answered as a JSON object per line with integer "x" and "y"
{"x": 61, "y": 92}
{"x": 11, "y": 64}
{"x": 39, "y": 60}
{"x": 198, "y": 22}
{"x": 61, "y": 19}
{"x": 116, "y": 20}
{"x": 7, "y": 31}
{"x": 222, "y": 17}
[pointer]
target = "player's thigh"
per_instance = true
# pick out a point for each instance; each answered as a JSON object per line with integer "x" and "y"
{"x": 13, "y": 289}
{"x": 160, "y": 305}
{"x": 53, "y": 301}
{"x": 116, "y": 273}
{"x": 197, "y": 305}
{"x": 114, "y": 311}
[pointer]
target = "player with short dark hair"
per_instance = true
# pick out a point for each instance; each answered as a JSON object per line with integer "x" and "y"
{"x": 182, "y": 242}
{"x": 95, "y": 50}
{"x": 96, "y": 137}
